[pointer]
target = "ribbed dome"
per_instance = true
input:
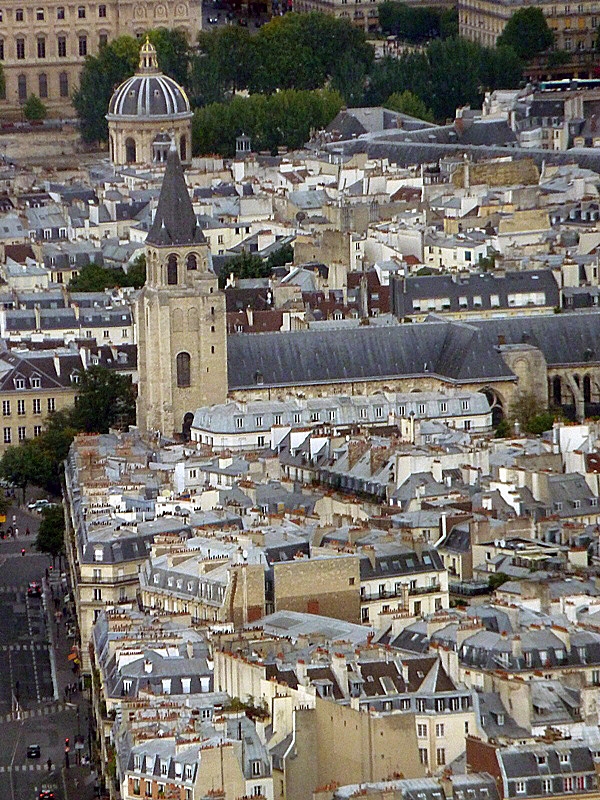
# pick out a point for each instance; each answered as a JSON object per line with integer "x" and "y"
{"x": 149, "y": 93}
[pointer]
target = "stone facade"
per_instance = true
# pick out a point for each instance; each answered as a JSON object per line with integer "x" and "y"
{"x": 43, "y": 45}
{"x": 180, "y": 315}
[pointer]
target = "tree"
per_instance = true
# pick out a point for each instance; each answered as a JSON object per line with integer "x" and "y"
{"x": 497, "y": 579}
{"x": 34, "y": 110}
{"x": 51, "y": 533}
{"x": 527, "y": 32}
{"x": 245, "y": 265}
{"x": 173, "y": 53}
{"x": 95, "y": 278}
{"x": 280, "y": 257}
{"x": 530, "y": 414}
{"x": 408, "y": 103}
{"x": 136, "y": 272}
{"x": 105, "y": 399}
{"x": 99, "y": 78}
{"x": 26, "y": 464}
{"x": 285, "y": 118}
{"x": 414, "y": 24}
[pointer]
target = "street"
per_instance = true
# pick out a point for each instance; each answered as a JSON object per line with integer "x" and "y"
{"x": 35, "y": 671}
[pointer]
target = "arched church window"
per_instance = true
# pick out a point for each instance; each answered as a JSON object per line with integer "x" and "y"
{"x": 183, "y": 370}
{"x": 130, "y": 151}
{"x": 192, "y": 261}
{"x": 172, "y": 270}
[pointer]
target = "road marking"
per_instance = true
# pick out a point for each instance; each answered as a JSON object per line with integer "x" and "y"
{"x": 12, "y": 762}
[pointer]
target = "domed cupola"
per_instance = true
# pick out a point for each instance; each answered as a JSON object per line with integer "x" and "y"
{"x": 143, "y": 107}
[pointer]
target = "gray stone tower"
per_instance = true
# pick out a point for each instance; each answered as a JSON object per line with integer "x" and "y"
{"x": 180, "y": 316}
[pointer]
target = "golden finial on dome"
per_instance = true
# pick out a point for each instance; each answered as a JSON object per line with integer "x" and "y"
{"x": 148, "y": 59}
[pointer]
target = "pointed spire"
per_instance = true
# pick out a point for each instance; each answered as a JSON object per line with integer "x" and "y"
{"x": 175, "y": 221}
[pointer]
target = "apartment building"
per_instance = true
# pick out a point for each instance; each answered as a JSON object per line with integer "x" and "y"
{"x": 33, "y": 385}
{"x": 575, "y": 25}
{"x": 43, "y": 45}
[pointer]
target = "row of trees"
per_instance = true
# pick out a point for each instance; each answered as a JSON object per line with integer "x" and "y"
{"x": 296, "y": 54}
{"x": 95, "y": 278}
{"x": 417, "y": 24}
{"x": 285, "y": 118}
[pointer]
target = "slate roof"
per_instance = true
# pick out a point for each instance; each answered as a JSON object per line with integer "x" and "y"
{"x": 175, "y": 221}
{"x": 454, "y": 350}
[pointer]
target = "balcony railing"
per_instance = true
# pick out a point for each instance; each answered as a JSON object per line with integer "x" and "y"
{"x": 432, "y": 589}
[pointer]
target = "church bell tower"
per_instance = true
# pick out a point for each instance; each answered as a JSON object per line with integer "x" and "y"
{"x": 180, "y": 315}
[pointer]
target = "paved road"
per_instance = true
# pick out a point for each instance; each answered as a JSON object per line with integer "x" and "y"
{"x": 33, "y": 669}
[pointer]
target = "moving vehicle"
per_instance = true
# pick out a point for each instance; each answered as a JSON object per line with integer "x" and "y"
{"x": 34, "y": 589}
{"x": 33, "y": 751}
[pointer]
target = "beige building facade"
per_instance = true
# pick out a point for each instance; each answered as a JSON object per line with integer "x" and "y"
{"x": 43, "y": 45}
{"x": 575, "y": 26}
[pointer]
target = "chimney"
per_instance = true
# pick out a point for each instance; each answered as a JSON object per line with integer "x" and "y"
{"x": 517, "y": 647}
{"x": 147, "y": 667}
{"x": 250, "y": 316}
{"x": 38, "y": 316}
{"x": 57, "y": 363}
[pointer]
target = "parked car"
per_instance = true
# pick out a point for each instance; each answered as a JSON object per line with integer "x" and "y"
{"x": 33, "y": 751}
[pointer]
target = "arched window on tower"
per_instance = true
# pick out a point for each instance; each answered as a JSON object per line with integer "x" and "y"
{"x": 172, "y": 270}
{"x": 130, "y": 151}
{"x": 192, "y": 261}
{"x": 183, "y": 370}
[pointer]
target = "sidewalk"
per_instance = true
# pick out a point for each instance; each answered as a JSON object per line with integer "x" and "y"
{"x": 78, "y": 782}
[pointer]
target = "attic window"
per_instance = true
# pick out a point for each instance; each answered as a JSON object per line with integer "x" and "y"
{"x": 19, "y": 383}
{"x": 36, "y": 382}
{"x": 98, "y": 554}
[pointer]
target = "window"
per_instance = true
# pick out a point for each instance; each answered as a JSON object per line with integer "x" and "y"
{"x": 37, "y": 431}
{"x": 423, "y": 755}
{"x": 20, "y": 407}
{"x": 21, "y": 433}
{"x": 520, "y": 787}
{"x": 102, "y": 11}
{"x": 171, "y": 269}
{"x": 7, "y": 436}
{"x": 260, "y": 441}
{"x": 443, "y": 408}
{"x": 63, "y": 83}
{"x": 547, "y": 786}
{"x": 439, "y": 729}
{"x": 440, "y": 754}
{"x": 192, "y": 262}
{"x": 239, "y": 422}
{"x": 422, "y": 731}
{"x": 36, "y": 382}
{"x": 297, "y": 418}
{"x": 256, "y": 767}
{"x": 81, "y": 12}
{"x": 106, "y": 334}
{"x": 102, "y": 40}
{"x": 580, "y": 781}
{"x": 464, "y": 404}
{"x": 421, "y": 408}
{"x": 19, "y": 383}
{"x": 1, "y": 49}
{"x": 6, "y": 408}
{"x": 258, "y": 421}
{"x": 277, "y": 420}
{"x": 19, "y": 15}
{"x": 563, "y": 757}
{"x": 568, "y": 784}
{"x": 41, "y": 47}
{"x": 62, "y": 53}
{"x": 39, "y": 14}
{"x": 83, "y": 45}
{"x": 43, "y": 84}
{"x": 183, "y": 370}
{"x": 21, "y": 52}
{"x": 98, "y": 594}
{"x": 60, "y": 12}
{"x": 51, "y": 404}
{"x": 37, "y": 406}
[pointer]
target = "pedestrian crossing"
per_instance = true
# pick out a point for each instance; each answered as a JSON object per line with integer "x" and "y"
{"x": 24, "y": 768}
{"x": 43, "y": 711}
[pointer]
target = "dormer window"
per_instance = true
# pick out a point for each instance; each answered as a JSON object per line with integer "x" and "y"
{"x": 36, "y": 382}
{"x": 75, "y": 377}
{"x": 19, "y": 383}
